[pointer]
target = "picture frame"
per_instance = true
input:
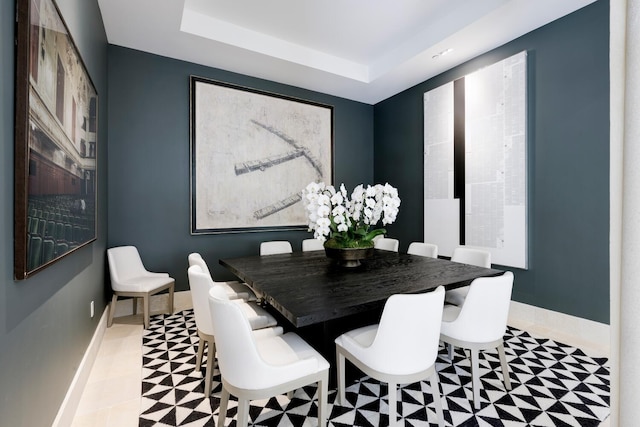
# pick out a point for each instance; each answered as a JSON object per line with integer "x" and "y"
{"x": 55, "y": 141}
{"x": 252, "y": 152}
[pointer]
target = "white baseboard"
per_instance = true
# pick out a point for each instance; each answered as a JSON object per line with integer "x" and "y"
{"x": 67, "y": 410}
{"x": 588, "y": 335}
{"x": 69, "y": 405}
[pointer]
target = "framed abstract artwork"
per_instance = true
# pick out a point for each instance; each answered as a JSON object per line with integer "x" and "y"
{"x": 55, "y": 141}
{"x": 252, "y": 153}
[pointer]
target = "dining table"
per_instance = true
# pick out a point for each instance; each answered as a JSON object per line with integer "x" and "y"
{"x": 320, "y": 299}
{"x": 308, "y": 288}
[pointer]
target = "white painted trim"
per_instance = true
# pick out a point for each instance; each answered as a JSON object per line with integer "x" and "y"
{"x": 69, "y": 405}
{"x": 592, "y": 337}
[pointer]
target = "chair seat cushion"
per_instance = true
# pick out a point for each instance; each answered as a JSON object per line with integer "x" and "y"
{"x": 238, "y": 290}
{"x": 287, "y": 349}
{"x": 268, "y": 332}
{"x": 456, "y": 296}
{"x": 363, "y": 337}
{"x": 257, "y": 316}
{"x": 450, "y": 313}
{"x": 142, "y": 283}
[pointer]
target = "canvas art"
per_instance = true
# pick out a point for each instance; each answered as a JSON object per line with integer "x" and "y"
{"x": 56, "y": 141}
{"x": 252, "y": 153}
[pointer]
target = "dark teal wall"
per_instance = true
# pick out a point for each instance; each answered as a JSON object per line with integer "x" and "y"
{"x": 45, "y": 326}
{"x": 568, "y": 65}
{"x": 149, "y": 160}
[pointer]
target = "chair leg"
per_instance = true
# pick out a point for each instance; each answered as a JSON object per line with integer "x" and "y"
{"x": 505, "y": 367}
{"x": 199, "y": 354}
{"x": 392, "y": 405}
{"x": 451, "y": 348}
{"x": 342, "y": 401}
{"x": 243, "y": 412}
{"x": 435, "y": 392}
{"x": 323, "y": 391}
{"x": 112, "y": 309}
{"x": 171, "y": 305}
{"x": 145, "y": 308}
{"x": 475, "y": 378}
{"x": 208, "y": 376}
{"x": 224, "y": 401}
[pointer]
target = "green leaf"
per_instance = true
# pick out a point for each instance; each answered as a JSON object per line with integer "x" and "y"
{"x": 373, "y": 233}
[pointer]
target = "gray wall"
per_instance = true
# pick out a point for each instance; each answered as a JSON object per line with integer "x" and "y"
{"x": 568, "y": 160}
{"x": 45, "y": 326}
{"x": 149, "y": 160}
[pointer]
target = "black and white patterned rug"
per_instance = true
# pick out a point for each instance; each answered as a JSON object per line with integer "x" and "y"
{"x": 553, "y": 385}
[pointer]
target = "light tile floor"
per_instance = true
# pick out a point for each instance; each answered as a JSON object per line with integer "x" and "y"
{"x": 112, "y": 394}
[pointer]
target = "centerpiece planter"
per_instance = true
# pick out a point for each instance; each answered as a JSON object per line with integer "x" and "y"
{"x": 348, "y": 257}
{"x": 344, "y": 223}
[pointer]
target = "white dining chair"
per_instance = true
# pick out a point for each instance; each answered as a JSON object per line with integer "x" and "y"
{"x": 235, "y": 289}
{"x": 480, "y": 324}
{"x": 423, "y": 249}
{"x": 312, "y": 245}
{"x": 471, "y": 256}
{"x": 258, "y": 368}
{"x": 401, "y": 349}
{"x": 200, "y": 283}
{"x": 275, "y": 247}
{"x": 129, "y": 278}
{"x": 387, "y": 244}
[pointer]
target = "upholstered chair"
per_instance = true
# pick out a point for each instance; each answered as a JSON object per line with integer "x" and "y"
{"x": 480, "y": 324}
{"x": 129, "y": 278}
{"x": 275, "y": 247}
{"x": 200, "y": 283}
{"x": 401, "y": 349}
{"x": 312, "y": 245}
{"x": 423, "y": 249}
{"x": 387, "y": 244}
{"x": 235, "y": 289}
{"x": 471, "y": 256}
{"x": 258, "y": 368}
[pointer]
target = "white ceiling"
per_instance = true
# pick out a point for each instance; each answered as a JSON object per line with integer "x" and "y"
{"x": 364, "y": 50}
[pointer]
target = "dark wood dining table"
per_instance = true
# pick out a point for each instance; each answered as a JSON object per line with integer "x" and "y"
{"x": 307, "y": 288}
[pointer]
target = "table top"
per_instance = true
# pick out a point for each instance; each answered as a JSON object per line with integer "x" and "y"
{"x": 309, "y": 288}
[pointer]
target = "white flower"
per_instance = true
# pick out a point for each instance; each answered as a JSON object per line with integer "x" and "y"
{"x": 332, "y": 211}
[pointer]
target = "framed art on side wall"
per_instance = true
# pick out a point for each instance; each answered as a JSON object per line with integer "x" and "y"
{"x": 55, "y": 145}
{"x": 252, "y": 153}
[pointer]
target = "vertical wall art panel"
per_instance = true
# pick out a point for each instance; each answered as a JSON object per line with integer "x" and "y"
{"x": 490, "y": 211}
{"x": 441, "y": 208}
{"x": 495, "y": 160}
{"x": 56, "y": 137}
{"x": 252, "y": 152}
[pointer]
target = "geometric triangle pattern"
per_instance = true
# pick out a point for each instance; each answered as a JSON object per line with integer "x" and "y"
{"x": 553, "y": 384}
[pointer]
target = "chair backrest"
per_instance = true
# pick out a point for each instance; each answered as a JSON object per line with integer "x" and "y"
{"x": 423, "y": 249}
{"x": 275, "y": 247}
{"x": 200, "y": 283}
{"x": 196, "y": 259}
{"x": 483, "y": 315}
{"x": 387, "y": 244}
{"x": 312, "y": 245}
{"x": 472, "y": 256}
{"x": 124, "y": 264}
{"x": 408, "y": 334}
{"x": 240, "y": 363}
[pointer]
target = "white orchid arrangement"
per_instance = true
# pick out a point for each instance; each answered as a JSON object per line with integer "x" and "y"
{"x": 346, "y": 221}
